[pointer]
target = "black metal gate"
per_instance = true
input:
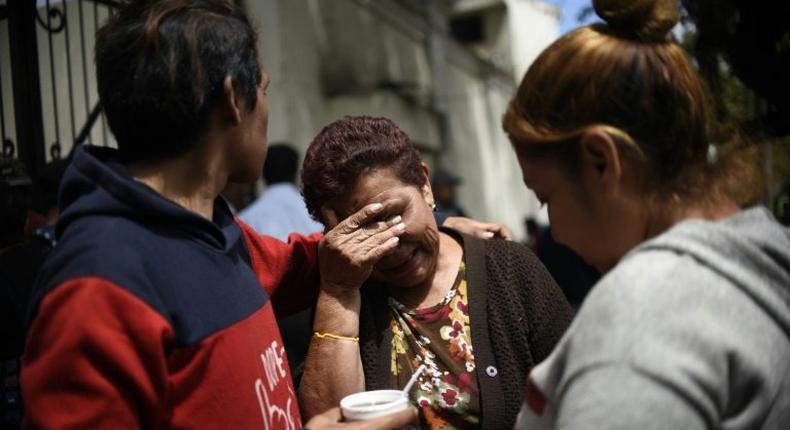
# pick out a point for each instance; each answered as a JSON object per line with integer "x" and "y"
{"x": 48, "y": 98}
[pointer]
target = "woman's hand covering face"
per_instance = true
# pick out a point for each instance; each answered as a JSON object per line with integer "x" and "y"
{"x": 351, "y": 247}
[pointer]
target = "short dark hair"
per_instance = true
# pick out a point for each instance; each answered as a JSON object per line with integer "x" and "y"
{"x": 281, "y": 165}
{"x": 161, "y": 65}
{"x": 349, "y": 147}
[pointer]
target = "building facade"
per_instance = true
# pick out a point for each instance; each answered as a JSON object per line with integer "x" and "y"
{"x": 443, "y": 70}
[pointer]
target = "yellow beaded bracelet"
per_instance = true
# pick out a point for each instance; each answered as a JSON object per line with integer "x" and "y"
{"x": 335, "y": 336}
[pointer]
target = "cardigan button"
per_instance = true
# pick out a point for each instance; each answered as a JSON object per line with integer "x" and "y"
{"x": 491, "y": 371}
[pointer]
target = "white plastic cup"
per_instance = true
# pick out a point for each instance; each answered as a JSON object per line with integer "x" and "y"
{"x": 371, "y": 404}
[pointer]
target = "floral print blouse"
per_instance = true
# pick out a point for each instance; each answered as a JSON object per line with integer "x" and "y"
{"x": 447, "y": 393}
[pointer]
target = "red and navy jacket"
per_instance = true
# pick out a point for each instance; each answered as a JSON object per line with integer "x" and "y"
{"x": 146, "y": 315}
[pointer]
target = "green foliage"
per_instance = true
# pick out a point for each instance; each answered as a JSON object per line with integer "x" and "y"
{"x": 743, "y": 51}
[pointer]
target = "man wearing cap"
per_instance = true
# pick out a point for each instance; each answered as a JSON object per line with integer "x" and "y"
{"x": 444, "y": 185}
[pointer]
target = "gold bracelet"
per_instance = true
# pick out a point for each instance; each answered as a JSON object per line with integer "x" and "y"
{"x": 335, "y": 336}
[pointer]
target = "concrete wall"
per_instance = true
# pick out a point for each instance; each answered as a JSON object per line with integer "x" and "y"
{"x": 533, "y": 26}
{"x": 333, "y": 58}
{"x": 347, "y": 57}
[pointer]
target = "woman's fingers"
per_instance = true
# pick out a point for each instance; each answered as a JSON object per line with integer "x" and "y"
{"x": 369, "y": 214}
{"x": 381, "y": 243}
{"x": 332, "y": 420}
{"x": 493, "y": 229}
{"x": 369, "y": 246}
{"x": 326, "y": 419}
{"x": 364, "y": 216}
{"x": 375, "y": 253}
{"x": 348, "y": 252}
{"x": 397, "y": 420}
{"x": 365, "y": 223}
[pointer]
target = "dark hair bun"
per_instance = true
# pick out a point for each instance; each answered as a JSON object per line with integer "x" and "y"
{"x": 649, "y": 20}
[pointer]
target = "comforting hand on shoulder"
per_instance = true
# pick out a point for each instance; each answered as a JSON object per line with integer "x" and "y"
{"x": 479, "y": 229}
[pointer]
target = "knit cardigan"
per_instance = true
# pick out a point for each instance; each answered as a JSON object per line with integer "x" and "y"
{"x": 517, "y": 314}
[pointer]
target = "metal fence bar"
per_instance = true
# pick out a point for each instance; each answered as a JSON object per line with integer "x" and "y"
{"x": 26, "y": 84}
{"x": 68, "y": 70}
{"x": 86, "y": 129}
{"x": 2, "y": 108}
{"x": 84, "y": 69}
{"x": 52, "y": 74}
{"x": 96, "y": 27}
{"x": 30, "y": 143}
{"x": 105, "y": 136}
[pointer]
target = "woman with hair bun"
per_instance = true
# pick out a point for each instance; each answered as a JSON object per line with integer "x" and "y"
{"x": 690, "y": 325}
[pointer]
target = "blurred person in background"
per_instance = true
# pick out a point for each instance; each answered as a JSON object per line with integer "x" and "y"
{"x": 690, "y": 325}
{"x": 278, "y": 212}
{"x": 573, "y": 275}
{"x": 280, "y": 209}
{"x": 478, "y": 313}
{"x": 449, "y": 214}
{"x": 445, "y": 185}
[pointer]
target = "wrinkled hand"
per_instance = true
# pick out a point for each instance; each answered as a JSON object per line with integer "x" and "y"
{"x": 479, "y": 229}
{"x": 330, "y": 420}
{"x": 348, "y": 252}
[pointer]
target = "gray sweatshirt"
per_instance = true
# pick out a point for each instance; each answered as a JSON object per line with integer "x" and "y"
{"x": 691, "y": 330}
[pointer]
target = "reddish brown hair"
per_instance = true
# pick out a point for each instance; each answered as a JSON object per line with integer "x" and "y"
{"x": 350, "y": 147}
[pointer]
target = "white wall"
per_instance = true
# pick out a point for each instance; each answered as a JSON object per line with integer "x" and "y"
{"x": 333, "y": 58}
{"x": 533, "y": 26}
{"x": 311, "y": 45}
